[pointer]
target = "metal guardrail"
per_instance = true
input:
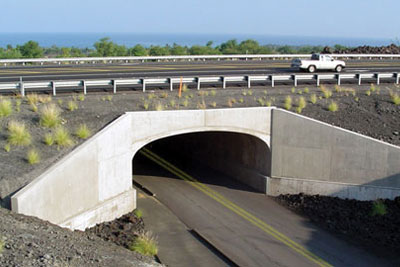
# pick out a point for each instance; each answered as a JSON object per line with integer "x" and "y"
{"x": 93, "y": 60}
{"x": 169, "y": 82}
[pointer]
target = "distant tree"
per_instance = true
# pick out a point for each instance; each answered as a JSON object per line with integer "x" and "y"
{"x": 339, "y": 47}
{"x": 159, "y": 50}
{"x": 65, "y": 52}
{"x": 104, "y": 47}
{"x": 138, "y": 50}
{"x": 178, "y": 50}
{"x": 76, "y": 52}
{"x": 249, "y": 47}
{"x": 31, "y": 49}
{"x": 229, "y": 47}
{"x": 286, "y": 50}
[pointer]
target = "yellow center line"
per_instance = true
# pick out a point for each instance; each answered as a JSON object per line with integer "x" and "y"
{"x": 236, "y": 209}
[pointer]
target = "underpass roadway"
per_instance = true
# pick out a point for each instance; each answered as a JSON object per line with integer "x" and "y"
{"x": 174, "y": 69}
{"x": 248, "y": 227}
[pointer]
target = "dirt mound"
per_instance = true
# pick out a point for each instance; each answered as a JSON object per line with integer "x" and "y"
{"x": 352, "y": 218}
{"x": 29, "y": 241}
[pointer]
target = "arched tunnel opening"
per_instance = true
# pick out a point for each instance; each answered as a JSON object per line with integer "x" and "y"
{"x": 209, "y": 156}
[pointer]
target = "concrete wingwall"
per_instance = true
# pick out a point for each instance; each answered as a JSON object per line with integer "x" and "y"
{"x": 312, "y": 157}
{"x": 93, "y": 183}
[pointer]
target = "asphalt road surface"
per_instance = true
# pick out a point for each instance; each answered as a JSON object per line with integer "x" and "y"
{"x": 173, "y": 69}
{"x": 248, "y": 227}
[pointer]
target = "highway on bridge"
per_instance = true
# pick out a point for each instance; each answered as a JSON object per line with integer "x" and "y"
{"x": 248, "y": 227}
{"x": 174, "y": 69}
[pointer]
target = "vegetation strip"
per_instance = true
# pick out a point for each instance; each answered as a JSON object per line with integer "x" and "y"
{"x": 236, "y": 209}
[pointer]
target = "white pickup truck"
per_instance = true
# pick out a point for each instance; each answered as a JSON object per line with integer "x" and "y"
{"x": 318, "y": 62}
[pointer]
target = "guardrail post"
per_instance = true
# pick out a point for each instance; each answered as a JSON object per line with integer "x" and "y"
{"x": 198, "y": 83}
{"x": 294, "y": 80}
{"x": 22, "y": 88}
{"x": 171, "y": 85}
{"x": 318, "y": 81}
{"x": 397, "y": 78}
{"x": 338, "y": 79}
{"x": 248, "y": 81}
{"x": 272, "y": 81}
{"x": 53, "y": 85}
{"x": 114, "y": 82}
{"x": 223, "y": 82}
{"x": 377, "y": 79}
{"x": 84, "y": 87}
{"x": 359, "y": 79}
{"x": 144, "y": 85}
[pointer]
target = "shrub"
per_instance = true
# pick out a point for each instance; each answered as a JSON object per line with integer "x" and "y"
{"x": 313, "y": 98}
{"x": 33, "y": 156}
{"x": 7, "y": 147}
{"x": 83, "y": 131}
{"x": 33, "y": 98}
{"x": 395, "y": 98}
{"x": 62, "y": 137}
{"x": 138, "y": 213}
{"x": 50, "y": 116}
{"x": 48, "y": 139}
{"x": 145, "y": 244}
{"x": 333, "y": 106}
{"x": 378, "y": 208}
{"x": 72, "y": 105}
{"x": 288, "y": 103}
{"x": 5, "y": 108}
{"x": 18, "y": 134}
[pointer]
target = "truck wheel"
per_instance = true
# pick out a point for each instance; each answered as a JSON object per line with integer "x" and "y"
{"x": 311, "y": 68}
{"x": 338, "y": 68}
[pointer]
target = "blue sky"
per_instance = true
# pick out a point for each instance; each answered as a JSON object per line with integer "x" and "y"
{"x": 339, "y": 18}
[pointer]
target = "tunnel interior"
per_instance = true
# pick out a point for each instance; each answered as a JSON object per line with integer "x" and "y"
{"x": 241, "y": 157}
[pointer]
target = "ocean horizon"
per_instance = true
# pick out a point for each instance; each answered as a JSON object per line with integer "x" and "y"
{"x": 86, "y": 40}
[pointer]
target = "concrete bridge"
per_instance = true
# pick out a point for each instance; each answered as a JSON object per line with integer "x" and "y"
{"x": 272, "y": 150}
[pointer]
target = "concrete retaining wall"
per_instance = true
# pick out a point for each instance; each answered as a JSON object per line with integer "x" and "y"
{"x": 306, "y": 152}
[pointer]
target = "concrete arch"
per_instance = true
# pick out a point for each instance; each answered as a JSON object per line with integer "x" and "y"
{"x": 93, "y": 183}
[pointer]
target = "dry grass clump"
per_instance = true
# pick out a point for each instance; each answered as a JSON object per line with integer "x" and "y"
{"x": 172, "y": 103}
{"x": 72, "y": 105}
{"x": 6, "y": 108}
{"x": 213, "y": 104}
{"x": 185, "y": 102}
{"x": 33, "y": 156}
{"x": 260, "y": 101}
{"x": 145, "y": 244}
{"x": 184, "y": 88}
{"x": 288, "y": 102}
{"x": 327, "y": 93}
{"x": 301, "y": 104}
{"x": 83, "y": 131}
{"x": 306, "y": 90}
{"x": 33, "y": 99}
{"x": 164, "y": 95}
{"x": 62, "y": 137}
{"x": 313, "y": 98}
{"x": 81, "y": 97}
{"x": 159, "y": 106}
{"x": 18, "y": 105}
{"x": 213, "y": 92}
{"x": 44, "y": 99}
{"x": 50, "y": 116}
{"x": 18, "y": 135}
{"x": 201, "y": 105}
{"x": 333, "y": 106}
{"x": 395, "y": 98}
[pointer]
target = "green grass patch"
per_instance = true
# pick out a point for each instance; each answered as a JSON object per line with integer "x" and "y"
{"x": 48, "y": 139}
{"x": 72, "y": 105}
{"x": 6, "y": 108}
{"x": 145, "y": 244}
{"x": 288, "y": 103}
{"x": 83, "y": 131}
{"x": 138, "y": 213}
{"x": 333, "y": 106}
{"x": 33, "y": 156}
{"x": 62, "y": 137}
{"x": 18, "y": 135}
{"x": 378, "y": 208}
{"x": 50, "y": 116}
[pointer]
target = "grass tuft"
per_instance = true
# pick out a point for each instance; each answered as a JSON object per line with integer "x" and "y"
{"x": 2, "y": 244}
{"x": 50, "y": 116}
{"x": 368, "y": 93}
{"x": 145, "y": 244}
{"x": 81, "y": 97}
{"x": 7, "y": 147}
{"x": 327, "y": 93}
{"x": 138, "y": 213}
{"x": 18, "y": 105}
{"x": 306, "y": 90}
{"x": 313, "y": 98}
{"x": 185, "y": 102}
{"x": 18, "y": 134}
{"x": 378, "y": 208}
{"x": 333, "y": 106}
{"x": 213, "y": 104}
{"x": 48, "y": 139}
{"x": 83, "y": 131}
{"x": 72, "y": 105}
{"x": 62, "y": 137}
{"x": 33, "y": 99}
{"x": 213, "y": 92}
{"x": 159, "y": 106}
{"x": 5, "y": 108}
{"x": 44, "y": 99}
{"x": 288, "y": 102}
{"x": 33, "y": 156}
{"x": 395, "y": 98}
